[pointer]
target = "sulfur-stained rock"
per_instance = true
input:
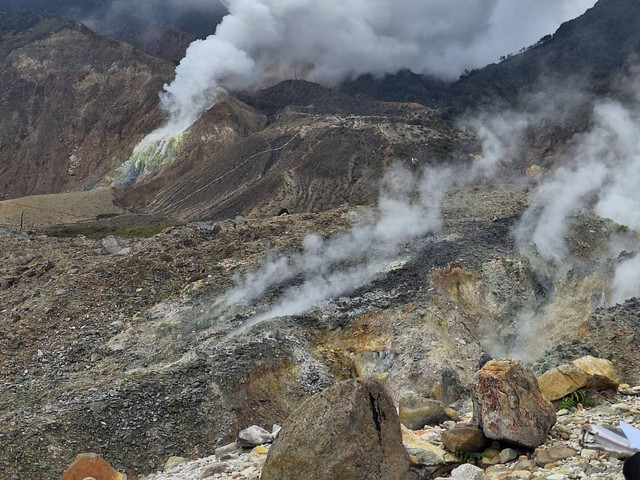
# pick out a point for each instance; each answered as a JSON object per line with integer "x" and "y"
{"x": 602, "y": 374}
{"x": 509, "y": 406}
{"x": 585, "y": 372}
{"x": 349, "y": 431}
{"x": 464, "y": 438}
{"x": 172, "y": 462}
{"x": 561, "y": 381}
{"x": 91, "y": 465}
{"x": 415, "y": 411}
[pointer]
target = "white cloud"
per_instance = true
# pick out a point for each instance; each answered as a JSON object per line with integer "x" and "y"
{"x": 336, "y": 39}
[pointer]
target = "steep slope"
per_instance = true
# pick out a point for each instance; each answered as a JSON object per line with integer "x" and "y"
{"x": 153, "y": 38}
{"x": 74, "y": 104}
{"x": 593, "y": 51}
{"x": 312, "y": 149}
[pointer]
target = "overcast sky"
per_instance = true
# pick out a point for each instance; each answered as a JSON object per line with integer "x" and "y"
{"x": 439, "y": 36}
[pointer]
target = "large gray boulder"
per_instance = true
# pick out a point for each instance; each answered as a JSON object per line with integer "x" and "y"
{"x": 350, "y": 431}
{"x": 509, "y": 406}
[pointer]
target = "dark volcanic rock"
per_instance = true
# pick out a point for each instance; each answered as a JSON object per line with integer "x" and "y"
{"x": 614, "y": 332}
{"x": 350, "y": 431}
{"x": 509, "y": 405}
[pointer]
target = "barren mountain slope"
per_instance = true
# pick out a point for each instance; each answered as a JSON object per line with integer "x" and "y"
{"x": 74, "y": 104}
{"x": 297, "y": 146}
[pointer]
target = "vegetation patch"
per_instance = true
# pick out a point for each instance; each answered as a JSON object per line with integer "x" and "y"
{"x": 96, "y": 232}
{"x": 470, "y": 457}
{"x": 578, "y": 397}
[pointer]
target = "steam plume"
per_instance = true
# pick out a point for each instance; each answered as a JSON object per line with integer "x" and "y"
{"x": 605, "y": 175}
{"x": 262, "y": 41}
{"x": 409, "y": 207}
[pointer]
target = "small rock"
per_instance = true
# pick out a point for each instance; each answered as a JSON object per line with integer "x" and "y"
{"x": 518, "y": 475}
{"x": 468, "y": 472}
{"x": 110, "y": 245}
{"x": 507, "y": 455}
{"x": 620, "y": 407}
{"x": 73, "y": 271}
{"x": 173, "y": 462}
{"x": 254, "y": 436}
{"x": 557, "y": 476}
{"x": 98, "y": 407}
{"x": 525, "y": 464}
{"x": 589, "y": 454}
{"x": 223, "y": 453}
{"x": 214, "y": 470}
{"x": 464, "y": 438}
{"x": 492, "y": 457}
{"x": 95, "y": 357}
{"x": 5, "y": 284}
{"x": 415, "y": 411}
{"x": 275, "y": 430}
{"x": 420, "y": 451}
{"x": 258, "y": 454}
{"x": 87, "y": 465}
{"x": 553, "y": 454}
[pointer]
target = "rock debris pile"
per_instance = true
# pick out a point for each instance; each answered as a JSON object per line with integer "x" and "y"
{"x": 351, "y": 430}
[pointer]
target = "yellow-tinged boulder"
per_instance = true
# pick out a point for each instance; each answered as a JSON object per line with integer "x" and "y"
{"x": 561, "y": 381}
{"x": 585, "y": 372}
{"x": 602, "y": 374}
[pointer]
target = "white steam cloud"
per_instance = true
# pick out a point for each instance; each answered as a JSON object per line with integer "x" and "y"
{"x": 602, "y": 172}
{"x": 409, "y": 208}
{"x": 262, "y": 41}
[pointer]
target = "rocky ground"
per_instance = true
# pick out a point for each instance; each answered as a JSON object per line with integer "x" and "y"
{"x": 113, "y": 346}
{"x": 559, "y": 458}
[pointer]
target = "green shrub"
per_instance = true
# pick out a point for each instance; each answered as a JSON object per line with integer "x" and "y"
{"x": 470, "y": 457}
{"x": 573, "y": 399}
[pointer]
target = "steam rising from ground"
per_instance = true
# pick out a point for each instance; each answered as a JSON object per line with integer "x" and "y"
{"x": 409, "y": 207}
{"x": 603, "y": 174}
{"x": 263, "y": 41}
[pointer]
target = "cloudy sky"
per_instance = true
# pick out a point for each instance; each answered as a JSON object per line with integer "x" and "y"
{"x": 443, "y": 36}
{"x": 258, "y": 42}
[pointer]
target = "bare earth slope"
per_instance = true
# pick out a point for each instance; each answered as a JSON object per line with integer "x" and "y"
{"x": 74, "y": 104}
{"x": 297, "y": 146}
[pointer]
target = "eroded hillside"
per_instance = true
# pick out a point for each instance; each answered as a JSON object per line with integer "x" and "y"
{"x": 74, "y": 104}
